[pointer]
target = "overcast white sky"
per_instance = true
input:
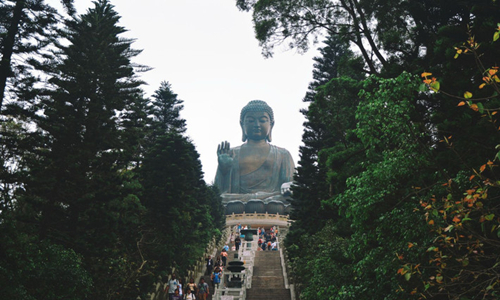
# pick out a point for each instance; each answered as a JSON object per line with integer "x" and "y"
{"x": 206, "y": 49}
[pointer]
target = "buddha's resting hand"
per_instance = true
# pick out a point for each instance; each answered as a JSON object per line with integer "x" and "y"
{"x": 225, "y": 156}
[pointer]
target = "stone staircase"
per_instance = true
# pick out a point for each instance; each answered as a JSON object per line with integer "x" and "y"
{"x": 267, "y": 280}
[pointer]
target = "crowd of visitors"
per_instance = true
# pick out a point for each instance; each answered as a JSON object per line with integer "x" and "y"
{"x": 192, "y": 291}
{"x": 267, "y": 240}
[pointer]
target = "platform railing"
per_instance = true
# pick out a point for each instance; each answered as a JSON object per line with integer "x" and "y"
{"x": 256, "y": 216}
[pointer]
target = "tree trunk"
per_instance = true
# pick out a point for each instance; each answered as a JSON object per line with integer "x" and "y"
{"x": 359, "y": 39}
{"x": 8, "y": 48}
{"x": 367, "y": 33}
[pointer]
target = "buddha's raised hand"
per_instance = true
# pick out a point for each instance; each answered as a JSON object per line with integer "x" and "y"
{"x": 225, "y": 157}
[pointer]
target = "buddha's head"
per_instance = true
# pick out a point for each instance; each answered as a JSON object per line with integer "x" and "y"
{"x": 257, "y": 121}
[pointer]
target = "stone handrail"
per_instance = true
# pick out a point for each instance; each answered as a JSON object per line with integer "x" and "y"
{"x": 231, "y": 293}
{"x": 199, "y": 268}
{"x": 196, "y": 271}
{"x": 288, "y": 285}
{"x": 284, "y": 265}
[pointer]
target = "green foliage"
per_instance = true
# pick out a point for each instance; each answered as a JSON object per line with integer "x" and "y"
{"x": 38, "y": 269}
{"x": 383, "y": 194}
{"x": 101, "y": 193}
{"x": 87, "y": 203}
{"x": 331, "y": 151}
{"x": 301, "y": 22}
{"x": 78, "y": 137}
{"x": 26, "y": 28}
{"x": 173, "y": 195}
{"x": 166, "y": 110}
{"x": 363, "y": 178}
{"x": 463, "y": 255}
{"x": 324, "y": 264}
{"x": 217, "y": 211}
{"x": 377, "y": 151}
{"x": 182, "y": 210}
{"x": 331, "y": 119}
{"x": 336, "y": 60}
{"x": 462, "y": 259}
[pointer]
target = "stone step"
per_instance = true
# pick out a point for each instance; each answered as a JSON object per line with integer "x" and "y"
{"x": 266, "y": 262}
{"x": 267, "y": 258}
{"x": 268, "y": 294}
{"x": 266, "y": 251}
{"x": 269, "y": 264}
{"x": 275, "y": 282}
{"x": 260, "y": 271}
{"x": 267, "y": 267}
{"x": 270, "y": 258}
{"x": 267, "y": 280}
{"x": 284, "y": 292}
{"x": 261, "y": 253}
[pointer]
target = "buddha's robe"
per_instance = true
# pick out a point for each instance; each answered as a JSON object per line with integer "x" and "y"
{"x": 277, "y": 169}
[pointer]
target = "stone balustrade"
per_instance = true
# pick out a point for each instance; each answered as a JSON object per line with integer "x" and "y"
{"x": 257, "y": 218}
{"x": 230, "y": 294}
{"x": 196, "y": 271}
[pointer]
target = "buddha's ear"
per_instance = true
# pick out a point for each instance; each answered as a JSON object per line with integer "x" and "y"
{"x": 243, "y": 135}
{"x": 269, "y": 137}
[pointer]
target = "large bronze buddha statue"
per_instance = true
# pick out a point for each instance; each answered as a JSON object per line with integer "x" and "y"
{"x": 256, "y": 169}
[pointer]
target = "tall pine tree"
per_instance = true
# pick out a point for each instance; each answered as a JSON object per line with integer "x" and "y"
{"x": 331, "y": 94}
{"x": 26, "y": 27}
{"x": 78, "y": 189}
{"x": 182, "y": 210}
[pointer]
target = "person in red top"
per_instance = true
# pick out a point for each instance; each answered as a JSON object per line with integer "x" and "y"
{"x": 224, "y": 257}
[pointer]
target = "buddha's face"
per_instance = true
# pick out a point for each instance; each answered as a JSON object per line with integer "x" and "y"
{"x": 257, "y": 125}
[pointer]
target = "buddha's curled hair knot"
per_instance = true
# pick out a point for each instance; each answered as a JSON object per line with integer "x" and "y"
{"x": 257, "y": 105}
